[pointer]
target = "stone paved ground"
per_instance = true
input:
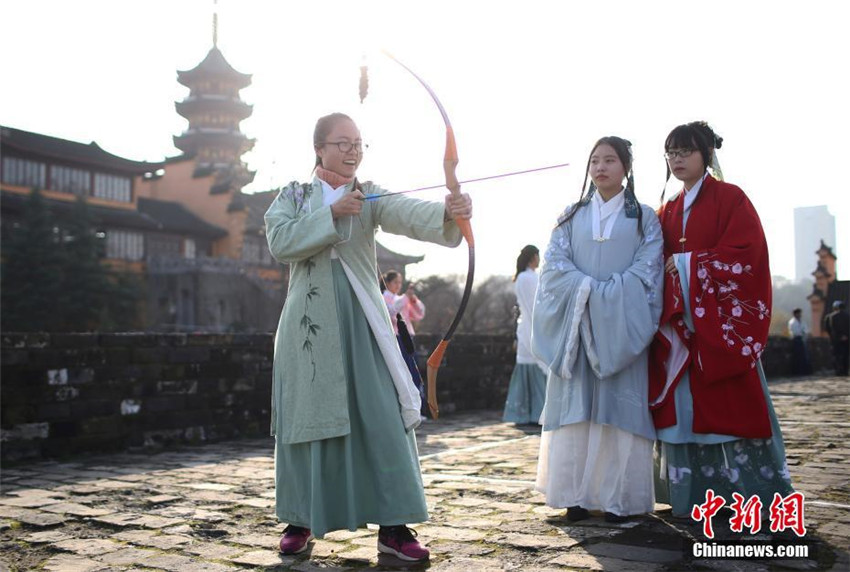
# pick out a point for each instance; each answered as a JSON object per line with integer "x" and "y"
{"x": 211, "y": 507}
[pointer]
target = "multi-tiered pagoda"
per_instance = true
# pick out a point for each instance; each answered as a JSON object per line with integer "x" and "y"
{"x": 214, "y": 110}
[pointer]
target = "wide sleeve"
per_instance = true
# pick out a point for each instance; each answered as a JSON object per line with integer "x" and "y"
{"x": 293, "y": 233}
{"x": 559, "y": 305}
{"x": 627, "y": 306}
{"x": 395, "y": 303}
{"x": 730, "y": 295}
{"x": 413, "y": 218}
{"x": 417, "y": 310}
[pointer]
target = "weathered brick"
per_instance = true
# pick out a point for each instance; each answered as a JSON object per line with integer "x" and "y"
{"x": 54, "y": 411}
{"x": 74, "y": 340}
{"x": 9, "y": 356}
{"x": 128, "y": 339}
{"x": 189, "y": 355}
{"x": 148, "y": 354}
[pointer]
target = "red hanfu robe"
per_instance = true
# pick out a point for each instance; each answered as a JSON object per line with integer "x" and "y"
{"x": 730, "y": 302}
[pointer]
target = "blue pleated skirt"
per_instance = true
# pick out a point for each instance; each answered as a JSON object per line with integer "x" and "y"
{"x": 526, "y": 394}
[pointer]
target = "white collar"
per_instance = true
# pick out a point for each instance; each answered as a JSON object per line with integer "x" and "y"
{"x": 602, "y": 211}
{"x": 329, "y": 194}
{"x": 691, "y": 194}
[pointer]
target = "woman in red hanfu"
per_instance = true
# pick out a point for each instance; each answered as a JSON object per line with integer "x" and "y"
{"x": 708, "y": 394}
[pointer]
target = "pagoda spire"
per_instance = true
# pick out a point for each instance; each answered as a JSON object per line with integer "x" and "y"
{"x": 215, "y": 23}
{"x": 214, "y": 110}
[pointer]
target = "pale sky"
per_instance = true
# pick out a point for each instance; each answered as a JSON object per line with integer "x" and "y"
{"x": 526, "y": 84}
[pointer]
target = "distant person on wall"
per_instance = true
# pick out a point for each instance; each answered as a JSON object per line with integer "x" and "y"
{"x": 595, "y": 313}
{"x": 799, "y": 353}
{"x": 527, "y": 389}
{"x": 411, "y": 309}
{"x": 837, "y": 325}
{"x": 343, "y": 404}
{"x": 708, "y": 394}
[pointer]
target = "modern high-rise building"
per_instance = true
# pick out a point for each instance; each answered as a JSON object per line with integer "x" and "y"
{"x": 812, "y": 225}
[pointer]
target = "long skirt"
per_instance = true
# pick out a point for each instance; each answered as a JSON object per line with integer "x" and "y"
{"x": 689, "y": 464}
{"x": 526, "y": 394}
{"x": 371, "y": 475}
{"x": 597, "y": 467}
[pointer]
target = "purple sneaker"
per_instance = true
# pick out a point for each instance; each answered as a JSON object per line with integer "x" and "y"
{"x": 400, "y": 541}
{"x": 295, "y": 539}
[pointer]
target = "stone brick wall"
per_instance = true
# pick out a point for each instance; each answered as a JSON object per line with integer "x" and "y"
{"x": 475, "y": 372}
{"x": 776, "y": 359}
{"x": 64, "y": 394}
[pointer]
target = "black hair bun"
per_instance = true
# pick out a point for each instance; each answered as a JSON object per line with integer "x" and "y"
{"x": 705, "y": 129}
{"x": 718, "y": 141}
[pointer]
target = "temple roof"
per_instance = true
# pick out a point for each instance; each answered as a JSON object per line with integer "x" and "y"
{"x": 384, "y": 252}
{"x": 821, "y": 269}
{"x": 101, "y": 215}
{"x": 152, "y": 215}
{"x": 177, "y": 218}
{"x": 828, "y": 249}
{"x": 212, "y": 66}
{"x": 257, "y": 204}
{"x": 195, "y": 138}
{"x": 816, "y": 293}
{"x": 90, "y": 154}
{"x": 213, "y": 104}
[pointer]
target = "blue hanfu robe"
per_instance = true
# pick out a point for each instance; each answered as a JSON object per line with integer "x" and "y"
{"x": 595, "y": 313}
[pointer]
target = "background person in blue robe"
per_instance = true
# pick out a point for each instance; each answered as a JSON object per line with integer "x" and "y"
{"x": 596, "y": 311}
{"x": 527, "y": 389}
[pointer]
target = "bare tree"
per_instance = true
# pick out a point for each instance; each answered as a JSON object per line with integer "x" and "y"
{"x": 491, "y": 308}
{"x": 441, "y": 295}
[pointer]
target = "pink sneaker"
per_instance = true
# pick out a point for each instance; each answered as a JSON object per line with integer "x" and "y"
{"x": 295, "y": 539}
{"x": 400, "y": 542}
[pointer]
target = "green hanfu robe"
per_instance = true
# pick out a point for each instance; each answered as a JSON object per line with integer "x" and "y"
{"x": 344, "y": 405}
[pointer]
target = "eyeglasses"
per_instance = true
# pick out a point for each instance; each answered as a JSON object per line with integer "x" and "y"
{"x": 347, "y": 146}
{"x": 683, "y": 153}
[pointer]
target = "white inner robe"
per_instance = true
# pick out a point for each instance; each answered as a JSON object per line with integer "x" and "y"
{"x": 597, "y": 467}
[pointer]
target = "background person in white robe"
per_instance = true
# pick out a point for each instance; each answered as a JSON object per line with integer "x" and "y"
{"x": 527, "y": 389}
{"x": 596, "y": 310}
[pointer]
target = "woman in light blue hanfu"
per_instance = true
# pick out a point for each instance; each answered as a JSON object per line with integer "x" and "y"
{"x": 596, "y": 311}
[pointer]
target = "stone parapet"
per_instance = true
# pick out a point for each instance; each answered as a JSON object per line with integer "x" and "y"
{"x": 64, "y": 394}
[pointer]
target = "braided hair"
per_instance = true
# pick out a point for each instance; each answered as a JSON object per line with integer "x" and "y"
{"x": 623, "y": 148}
